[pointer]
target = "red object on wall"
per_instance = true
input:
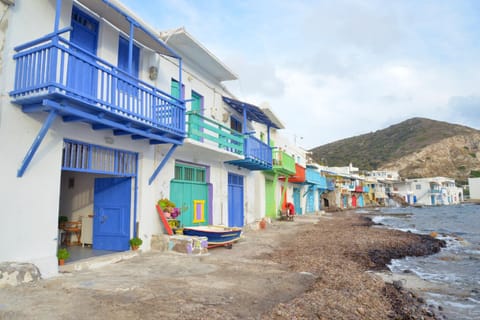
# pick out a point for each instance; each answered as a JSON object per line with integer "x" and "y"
{"x": 358, "y": 189}
{"x": 164, "y": 220}
{"x": 354, "y": 201}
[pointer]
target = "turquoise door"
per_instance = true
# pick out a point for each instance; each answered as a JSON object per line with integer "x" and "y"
{"x": 189, "y": 191}
{"x": 296, "y": 200}
{"x": 196, "y": 128}
{"x": 82, "y": 72}
{"x": 360, "y": 201}
{"x": 235, "y": 200}
{"x": 175, "y": 89}
{"x": 111, "y": 219}
{"x": 192, "y": 199}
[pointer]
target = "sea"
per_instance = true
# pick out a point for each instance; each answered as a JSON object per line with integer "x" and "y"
{"x": 454, "y": 272}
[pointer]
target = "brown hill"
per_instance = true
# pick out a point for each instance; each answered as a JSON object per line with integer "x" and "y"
{"x": 417, "y": 147}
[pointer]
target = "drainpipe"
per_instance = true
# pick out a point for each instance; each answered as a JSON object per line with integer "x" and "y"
{"x": 135, "y": 198}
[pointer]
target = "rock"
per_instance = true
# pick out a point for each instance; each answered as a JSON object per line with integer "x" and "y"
{"x": 361, "y": 311}
{"x": 398, "y": 284}
{"x": 15, "y": 273}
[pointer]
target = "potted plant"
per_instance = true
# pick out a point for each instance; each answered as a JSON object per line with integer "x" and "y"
{"x": 167, "y": 206}
{"x": 135, "y": 243}
{"x": 62, "y": 255}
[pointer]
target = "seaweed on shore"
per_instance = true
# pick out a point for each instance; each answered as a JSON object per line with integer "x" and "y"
{"x": 425, "y": 245}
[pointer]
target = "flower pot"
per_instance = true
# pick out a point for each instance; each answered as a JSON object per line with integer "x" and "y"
{"x": 61, "y": 262}
{"x": 263, "y": 224}
{"x": 134, "y": 248}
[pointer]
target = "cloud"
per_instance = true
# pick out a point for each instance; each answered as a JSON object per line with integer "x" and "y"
{"x": 465, "y": 109}
{"x": 332, "y": 70}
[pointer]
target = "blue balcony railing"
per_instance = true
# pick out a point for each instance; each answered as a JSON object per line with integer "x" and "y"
{"x": 258, "y": 155}
{"x": 258, "y": 151}
{"x": 54, "y": 68}
{"x": 330, "y": 184}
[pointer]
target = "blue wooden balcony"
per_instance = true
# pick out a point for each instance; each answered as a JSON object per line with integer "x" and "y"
{"x": 330, "y": 184}
{"x": 257, "y": 155}
{"x": 314, "y": 177}
{"x": 52, "y": 74}
{"x": 214, "y": 134}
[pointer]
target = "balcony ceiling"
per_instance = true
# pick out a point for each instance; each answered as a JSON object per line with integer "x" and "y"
{"x": 196, "y": 53}
{"x": 116, "y": 14}
{"x": 254, "y": 113}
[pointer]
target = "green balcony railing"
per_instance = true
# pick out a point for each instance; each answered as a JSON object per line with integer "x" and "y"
{"x": 210, "y": 132}
{"x": 283, "y": 163}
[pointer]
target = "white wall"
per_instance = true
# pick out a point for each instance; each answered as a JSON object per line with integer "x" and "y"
{"x": 30, "y": 204}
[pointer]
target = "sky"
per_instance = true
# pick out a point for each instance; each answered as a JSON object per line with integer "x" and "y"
{"x": 331, "y": 70}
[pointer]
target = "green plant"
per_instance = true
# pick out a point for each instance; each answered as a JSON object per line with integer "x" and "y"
{"x": 166, "y": 204}
{"x": 136, "y": 242}
{"x": 63, "y": 254}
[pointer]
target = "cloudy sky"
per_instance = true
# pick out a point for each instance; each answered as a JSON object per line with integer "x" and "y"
{"x": 335, "y": 69}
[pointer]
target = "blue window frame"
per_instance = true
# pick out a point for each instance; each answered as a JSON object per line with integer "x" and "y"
{"x": 123, "y": 57}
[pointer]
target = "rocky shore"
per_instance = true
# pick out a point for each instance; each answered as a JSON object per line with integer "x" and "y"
{"x": 315, "y": 267}
{"x": 340, "y": 251}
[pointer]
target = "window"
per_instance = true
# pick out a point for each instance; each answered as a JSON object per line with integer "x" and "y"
{"x": 418, "y": 187}
{"x": 235, "y": 124}
{"x": 190, "y": 173}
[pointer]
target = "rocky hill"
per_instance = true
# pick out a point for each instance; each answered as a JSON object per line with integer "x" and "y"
{"x": 417, "y": 147}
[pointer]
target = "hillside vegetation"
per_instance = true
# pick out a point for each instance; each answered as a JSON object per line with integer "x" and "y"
{"x": 417, "y": 147}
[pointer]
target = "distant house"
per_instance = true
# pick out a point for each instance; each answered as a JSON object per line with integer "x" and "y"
{"x": 474, "y": 187}
{"x": 430, "y": 191}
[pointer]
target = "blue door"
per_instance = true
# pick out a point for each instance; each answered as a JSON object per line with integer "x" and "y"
{"x": 296, "y": 200}
{"x": 111, "y": 222}
{"x": 310, "y": 201}
{"x": 235, "y": 200}
{"x": 123, "y": 57}
{"x": 82, "y": 73}
{"x": 360, "y": 201}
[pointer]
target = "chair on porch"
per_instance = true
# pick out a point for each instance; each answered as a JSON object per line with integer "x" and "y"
{"x": 70, "y": 228}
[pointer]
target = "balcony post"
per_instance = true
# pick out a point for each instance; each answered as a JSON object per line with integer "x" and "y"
{"x": 58, "y": 9}
{"x": 130, "y": 45}
{"x": 244, "y": 124}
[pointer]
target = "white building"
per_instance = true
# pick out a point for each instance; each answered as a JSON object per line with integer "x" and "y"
{"x": 100, "y": 118}
{"x": 430, "y": 191}
{"x": 474, "y": 187}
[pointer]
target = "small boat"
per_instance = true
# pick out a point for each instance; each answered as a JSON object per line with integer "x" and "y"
{"x": 217, "y": 235}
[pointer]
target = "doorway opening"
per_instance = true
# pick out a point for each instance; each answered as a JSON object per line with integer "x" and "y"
{"x": 97, "y": 196}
